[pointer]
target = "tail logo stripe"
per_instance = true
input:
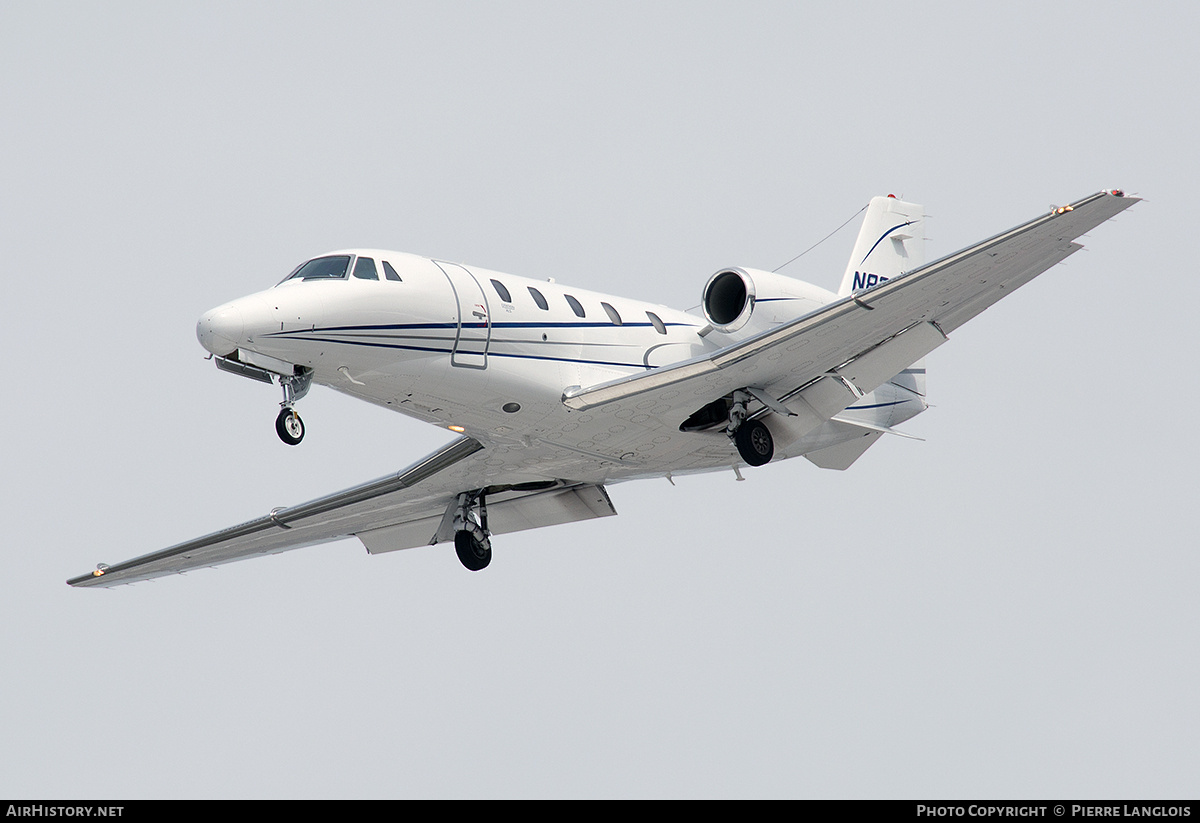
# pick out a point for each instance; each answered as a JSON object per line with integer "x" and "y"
{"x": 884, "y": 235}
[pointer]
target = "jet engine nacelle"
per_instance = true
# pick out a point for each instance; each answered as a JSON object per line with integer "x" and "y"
{"x": 750, "y": 301}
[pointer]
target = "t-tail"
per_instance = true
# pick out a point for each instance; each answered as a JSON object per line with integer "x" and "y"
{"x": 891, "y": 242}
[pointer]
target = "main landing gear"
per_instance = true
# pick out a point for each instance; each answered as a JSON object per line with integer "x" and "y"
{"x": 471, "y": 541}
{"x": 288, "y": 424}
{"x": 754, "y": 443}
{"x": 752, "y": 437}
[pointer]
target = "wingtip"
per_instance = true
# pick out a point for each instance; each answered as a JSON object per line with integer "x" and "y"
{"x": 90, "y": 578}
{"x": 1124, "y": 195}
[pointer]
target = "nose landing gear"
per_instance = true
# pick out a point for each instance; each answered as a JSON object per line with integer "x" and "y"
{"x": 288, "y": 424}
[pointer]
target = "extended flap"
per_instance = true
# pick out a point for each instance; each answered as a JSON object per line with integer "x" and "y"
{"x": 505, "y": 515}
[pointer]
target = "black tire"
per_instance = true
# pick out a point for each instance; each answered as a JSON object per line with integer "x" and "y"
{"x": 471, "y": 553}
{"x": 289, "y": 427}
{"x": 754, "y": 443}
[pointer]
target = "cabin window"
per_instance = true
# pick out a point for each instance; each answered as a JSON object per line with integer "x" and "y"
{"x": 365, "y": 269}
{"x": 612, "y": 314}
{"x": 576, "y": 306}
{"x": 538, "y": 298}
{"x": 333, "y": 267}
{"x": 390, "y": 273}
{"x": 656, "y": 321}
{"x": 502, "y": 291}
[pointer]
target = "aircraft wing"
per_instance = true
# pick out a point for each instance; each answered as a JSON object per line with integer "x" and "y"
{"x": 411, "y": 508}
{"x": 815, "y": 366}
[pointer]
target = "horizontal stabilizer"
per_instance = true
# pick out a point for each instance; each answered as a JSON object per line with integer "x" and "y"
{"x": 874, "y": 428}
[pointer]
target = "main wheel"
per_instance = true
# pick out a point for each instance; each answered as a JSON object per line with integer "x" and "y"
{"x": 289, "y": 427}
{"x": 471, "y": 553}
{"x": 754, "y": 443}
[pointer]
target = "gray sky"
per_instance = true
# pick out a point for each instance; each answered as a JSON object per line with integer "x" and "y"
{"x": 1006, "y": 610}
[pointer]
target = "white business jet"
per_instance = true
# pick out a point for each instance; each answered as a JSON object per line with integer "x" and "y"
{"x": 557, "y": 393}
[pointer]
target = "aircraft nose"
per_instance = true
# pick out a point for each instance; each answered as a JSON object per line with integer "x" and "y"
{"x": 220, "y": 330}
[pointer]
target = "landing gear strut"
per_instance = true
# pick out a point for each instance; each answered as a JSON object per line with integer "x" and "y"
{"x": 288, "y": 424}
{"x": 471, "y": 541}
{"x": 752, "y": 437}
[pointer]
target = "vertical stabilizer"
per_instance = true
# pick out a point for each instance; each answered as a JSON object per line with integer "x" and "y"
{"x": 891, "y": 242}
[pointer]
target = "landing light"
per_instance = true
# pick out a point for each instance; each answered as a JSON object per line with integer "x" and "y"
{"x": 101, "y": 568}
{"x": 458, "y": 429}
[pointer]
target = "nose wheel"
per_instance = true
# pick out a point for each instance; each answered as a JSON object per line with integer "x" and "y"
{"x": 289, "y": 426}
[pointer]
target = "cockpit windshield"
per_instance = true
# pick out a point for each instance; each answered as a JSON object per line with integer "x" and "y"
{"x": 333, "y": 267}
